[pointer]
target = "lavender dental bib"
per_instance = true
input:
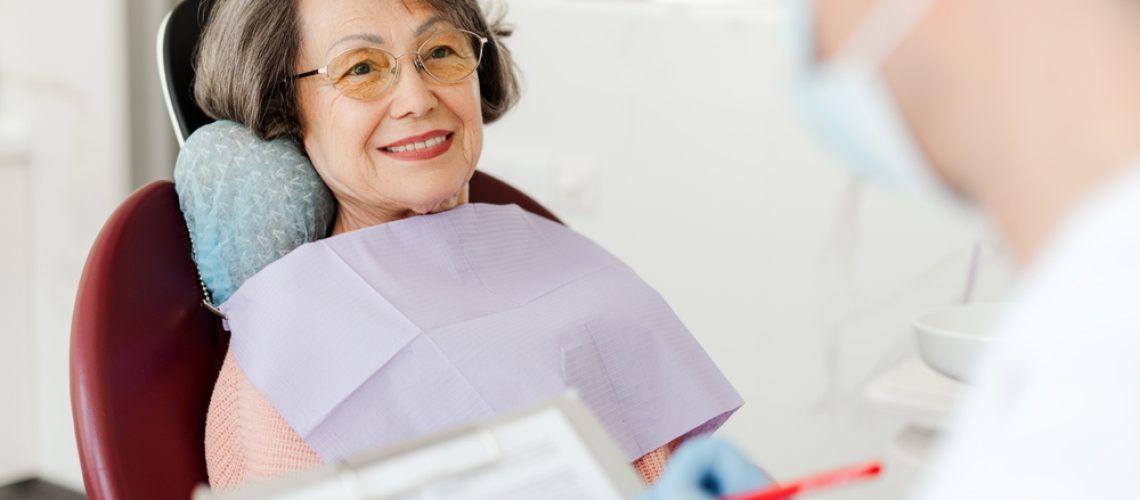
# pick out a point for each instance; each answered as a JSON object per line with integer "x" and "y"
{"x": 390, "y": 333}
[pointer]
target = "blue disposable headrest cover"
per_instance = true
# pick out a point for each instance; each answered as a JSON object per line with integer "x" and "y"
{"x": 247, "y": 203}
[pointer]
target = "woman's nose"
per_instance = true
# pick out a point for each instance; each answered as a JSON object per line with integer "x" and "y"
{"x": 412, "y": 95}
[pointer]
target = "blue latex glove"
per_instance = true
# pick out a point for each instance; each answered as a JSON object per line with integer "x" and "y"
{"x": 706, "y": 469}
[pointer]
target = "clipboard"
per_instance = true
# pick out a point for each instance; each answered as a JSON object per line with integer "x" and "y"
{"x": 557, "y": 450}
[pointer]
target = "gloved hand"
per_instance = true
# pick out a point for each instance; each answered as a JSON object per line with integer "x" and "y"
{"x": 706, "y": 469}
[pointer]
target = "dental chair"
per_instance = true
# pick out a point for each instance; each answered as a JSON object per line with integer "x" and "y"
{"x": 145, "y": 351}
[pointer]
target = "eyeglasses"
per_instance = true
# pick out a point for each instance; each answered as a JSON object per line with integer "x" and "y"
{"x": 365, "y": 73}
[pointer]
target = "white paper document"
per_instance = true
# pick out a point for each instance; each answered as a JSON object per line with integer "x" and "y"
{"x": 555, "y": 451}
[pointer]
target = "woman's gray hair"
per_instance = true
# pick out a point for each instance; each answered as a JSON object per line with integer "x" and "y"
{"x": 245, "y": 62}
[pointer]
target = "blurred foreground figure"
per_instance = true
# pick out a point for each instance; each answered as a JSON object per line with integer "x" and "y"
{"x": 1028, "y": 111}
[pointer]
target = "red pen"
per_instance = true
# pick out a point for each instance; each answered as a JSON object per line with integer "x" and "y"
{"x": 830, "y": 479}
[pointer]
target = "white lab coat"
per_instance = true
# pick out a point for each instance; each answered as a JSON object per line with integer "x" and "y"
{"x": 1056, "y": 411}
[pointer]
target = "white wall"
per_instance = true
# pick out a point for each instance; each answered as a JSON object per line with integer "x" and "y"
{"x": 62, "y": 66}
{"x": 16, "y": 358}
{"x": 667, "y": 133}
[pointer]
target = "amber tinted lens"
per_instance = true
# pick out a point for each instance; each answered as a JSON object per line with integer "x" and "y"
{"x": 451, "y": 56}
{"x": 362, "y": 73}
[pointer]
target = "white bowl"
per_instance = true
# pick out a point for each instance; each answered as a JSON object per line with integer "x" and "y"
{"x": 951, "y": 338}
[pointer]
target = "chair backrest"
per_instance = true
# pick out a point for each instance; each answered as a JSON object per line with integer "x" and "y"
{"x": 144, "y": 351}
{"x": 144, "y": 355}
{"x": 177, "y": 42}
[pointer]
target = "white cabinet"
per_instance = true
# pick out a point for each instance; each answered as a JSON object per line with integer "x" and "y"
{"x": 17, "y": 355}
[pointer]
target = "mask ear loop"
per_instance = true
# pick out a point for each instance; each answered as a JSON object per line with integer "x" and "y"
{"x": 883, "y": 29}
{"x": 972, "y": 273}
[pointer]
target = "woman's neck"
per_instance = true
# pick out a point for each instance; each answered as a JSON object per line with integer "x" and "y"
{"x": 353, "y": 215}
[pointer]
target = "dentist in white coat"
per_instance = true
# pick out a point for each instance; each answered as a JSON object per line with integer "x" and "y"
{"x": 1030, "y": 111}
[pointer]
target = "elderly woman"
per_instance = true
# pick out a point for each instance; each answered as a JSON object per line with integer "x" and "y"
{"x": 388, "y": 99}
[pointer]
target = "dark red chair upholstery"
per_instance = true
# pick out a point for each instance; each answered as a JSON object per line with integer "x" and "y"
{"x": 145, "y": 353}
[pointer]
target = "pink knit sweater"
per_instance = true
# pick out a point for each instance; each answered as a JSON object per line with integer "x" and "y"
{"x": 247, "y": 440}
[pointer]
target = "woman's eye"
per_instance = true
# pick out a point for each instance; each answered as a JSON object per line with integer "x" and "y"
{"x": 440, "y": 52}
{"x": 360, "y": 69}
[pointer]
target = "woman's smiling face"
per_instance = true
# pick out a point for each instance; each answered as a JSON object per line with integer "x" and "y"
{"x": 410, "y": 151}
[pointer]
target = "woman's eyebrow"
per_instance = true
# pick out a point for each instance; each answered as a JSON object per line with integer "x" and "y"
{"x": 427, "y": 25}
{"x": 379, "y": 40}
{"x": 367, "y": 37}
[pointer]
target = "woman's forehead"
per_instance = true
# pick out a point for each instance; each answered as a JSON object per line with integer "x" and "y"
{"x": 327, "y": 26}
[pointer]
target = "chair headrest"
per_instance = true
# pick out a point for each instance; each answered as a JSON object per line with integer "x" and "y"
{"x": 247, "y": 203}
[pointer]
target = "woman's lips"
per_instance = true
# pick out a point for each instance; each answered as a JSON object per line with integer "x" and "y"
{"x": 421, "y": 147}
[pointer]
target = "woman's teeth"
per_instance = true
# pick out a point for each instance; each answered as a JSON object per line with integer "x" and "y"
{"x": 416, "y": 146}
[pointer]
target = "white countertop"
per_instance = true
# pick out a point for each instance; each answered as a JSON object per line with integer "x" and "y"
{"x": 15, "y": 141}
{"x": 916, "y": 394}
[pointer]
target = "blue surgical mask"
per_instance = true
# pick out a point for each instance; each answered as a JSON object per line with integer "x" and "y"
{"x": 848, "y": 104}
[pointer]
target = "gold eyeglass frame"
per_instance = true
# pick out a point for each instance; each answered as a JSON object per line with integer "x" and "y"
{"x": 418, "y": 64}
